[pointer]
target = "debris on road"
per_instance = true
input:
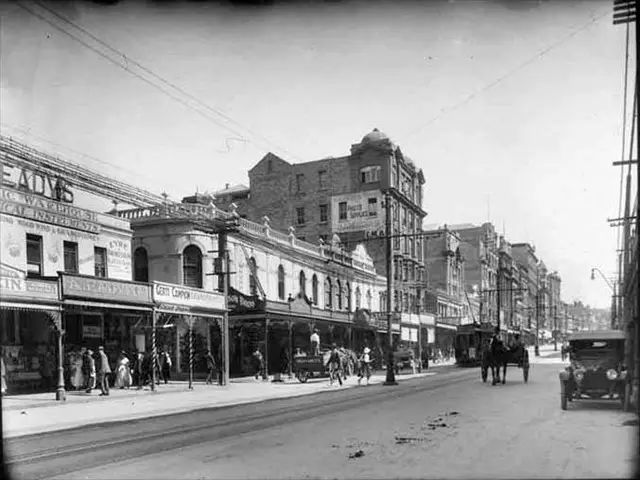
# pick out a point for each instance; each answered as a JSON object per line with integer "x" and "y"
{"x": 357, "y": 454}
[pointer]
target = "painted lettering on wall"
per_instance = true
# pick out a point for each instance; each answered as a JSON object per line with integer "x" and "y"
{"x": 21, "y": 204}
{"x": 35, "y": 182}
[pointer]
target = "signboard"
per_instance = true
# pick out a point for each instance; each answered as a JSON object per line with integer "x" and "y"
{"x": 34, "y": 207}
{"x": 91, "y": 331}
{"x": 409, "y": 334}
{"x": 35, "y": 182}
{"x": 357, "y": 211}
{"x": 13, "y": 283}
{"x": 118, "y": 291}
{"x": 167, "y": 293}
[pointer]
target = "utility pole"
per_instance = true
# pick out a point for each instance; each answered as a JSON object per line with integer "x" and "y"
{"x": 537, "y": 347}
{"x": 391, "y": 379}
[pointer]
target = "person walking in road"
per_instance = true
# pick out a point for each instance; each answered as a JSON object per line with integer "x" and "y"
{"x": 211, "y": 367}
{"x": 104, "y": 370}
{"x": 365, "y": 365}
{"x": 335, "y": 365}
{"x": 89, "y": 367}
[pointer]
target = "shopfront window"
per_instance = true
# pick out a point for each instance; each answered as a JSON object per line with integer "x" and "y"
{"x": 70, "y": 250}
{"x": 100, "y": 260}
{"x": 34, "y": 255}
{"x": 140, "y": 265}
{"x": 281, "y": 282}
{"x": 192, "y": 267}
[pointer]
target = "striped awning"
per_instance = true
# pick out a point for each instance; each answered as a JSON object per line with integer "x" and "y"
{"x": 41, "y": 307}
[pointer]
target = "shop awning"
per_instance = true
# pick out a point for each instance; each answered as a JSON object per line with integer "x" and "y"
{"x": 91, "y": 304}
{"x": 446, "y": 327}
{"x": 29, "y": 306}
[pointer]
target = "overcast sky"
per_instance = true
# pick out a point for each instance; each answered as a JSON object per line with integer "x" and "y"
{"x": 512, "y": 109}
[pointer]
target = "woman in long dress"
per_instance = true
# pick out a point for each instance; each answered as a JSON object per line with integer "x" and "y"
{"x": 123, "y": 374}
{"x": 77, "y": 376}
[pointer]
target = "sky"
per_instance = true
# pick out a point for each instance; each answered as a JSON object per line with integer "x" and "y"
{"x": 512, "y": 109}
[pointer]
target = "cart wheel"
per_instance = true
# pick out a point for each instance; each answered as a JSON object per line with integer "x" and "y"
{"x": 525, "y": 374}
{"x": 484, "y": 371}
{"x": 302, "y": 376}
{"x": 563, "y": 401}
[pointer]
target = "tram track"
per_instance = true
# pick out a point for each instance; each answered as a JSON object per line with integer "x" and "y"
{"x": 34, "y": 457}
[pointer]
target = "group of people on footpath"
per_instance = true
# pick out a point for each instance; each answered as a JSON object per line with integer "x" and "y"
{"x": 87, "y": 371}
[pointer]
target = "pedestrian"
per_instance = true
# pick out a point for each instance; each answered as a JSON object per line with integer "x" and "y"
{"x": 104, "y": 370}
{"x": 138, "y": 370}
{"x": 47, "y": 369}
{"x": 123, "y": 372}
{"x": 165, "y": 365}
{"x": 335, "y": 365}
{"x": 89, "y": 369}
{"x": 211, "y": 366}
{"x": 3, "y": 373}
{"x": 365, "y": 365}
{"x": 258, "y": 363}
{"x": 315, "y": 342}
{"x": 284, "y": 360}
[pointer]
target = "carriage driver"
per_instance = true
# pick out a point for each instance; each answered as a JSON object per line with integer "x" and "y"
{"x": 315, "y": 342}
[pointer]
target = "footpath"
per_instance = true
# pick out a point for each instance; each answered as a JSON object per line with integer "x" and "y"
{"x": 39, "y": 413}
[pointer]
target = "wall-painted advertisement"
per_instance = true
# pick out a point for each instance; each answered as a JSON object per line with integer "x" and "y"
{"x": 357, "y": 211}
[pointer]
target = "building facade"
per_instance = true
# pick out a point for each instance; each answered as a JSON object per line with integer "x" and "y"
{"x": 479, "y": 247}
{"x": 342, "y": 200}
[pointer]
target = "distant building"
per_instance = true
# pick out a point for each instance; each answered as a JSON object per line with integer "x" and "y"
{"x": 479, "y": 247}
{"x": 527, "y": 262}
{"x": 233, "y": 194}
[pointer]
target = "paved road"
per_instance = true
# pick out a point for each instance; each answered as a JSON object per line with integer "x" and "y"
{"x": 446, "y": 426}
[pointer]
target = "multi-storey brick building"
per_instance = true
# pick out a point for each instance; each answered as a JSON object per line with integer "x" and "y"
{"x": 527, "y": 262}
{"x": 479, "y": 247}
{"x": 555, "y": 304}
{"x": 445, "y": 274}
{"x": 340, "y": 201}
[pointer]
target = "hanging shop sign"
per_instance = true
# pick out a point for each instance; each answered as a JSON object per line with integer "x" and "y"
{"x": 23, "y": 204}
{"x": 240, "y": 303}
{"x": 110, "y": 290}
{"x": 379, "y": 321}
{"x": 192, "y": 298}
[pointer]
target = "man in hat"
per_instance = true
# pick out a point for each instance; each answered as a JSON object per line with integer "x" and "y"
{"x": 103, "y": 371}
{"x": 89, "y": 367}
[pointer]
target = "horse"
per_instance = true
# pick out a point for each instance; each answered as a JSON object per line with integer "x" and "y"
{"x": 498, "y": 356}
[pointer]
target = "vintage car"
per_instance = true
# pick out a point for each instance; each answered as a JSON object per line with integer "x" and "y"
{"x": 597, "y": 369}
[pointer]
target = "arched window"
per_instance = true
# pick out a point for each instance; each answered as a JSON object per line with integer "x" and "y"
{"x": 192, "y": 267}
{"x": 314, "y": 289}
{"x": 140, "y": 265}
{"x": 347, "y": 297}
{"x": 253, "y": 288}
{"x": 369, "y": 300}
{"x": 328, "y": 295}
{"x": 303, "y": 283}
{"x": 280, "y": 282}
{"x": 357, "y": 298}
{"x": 338, "y": 295}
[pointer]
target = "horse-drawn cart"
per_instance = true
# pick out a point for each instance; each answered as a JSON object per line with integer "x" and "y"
{"x": 517, "y": 357}
{"x": 310, "y": 366}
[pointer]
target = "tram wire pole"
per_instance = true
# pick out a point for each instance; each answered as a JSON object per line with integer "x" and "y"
{"x": 390, "y": 380}
{"x": 154, "y": 353}
{"x": 190, "y": 320}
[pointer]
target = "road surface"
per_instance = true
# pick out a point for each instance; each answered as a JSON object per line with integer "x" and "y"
{"x": 450, "y": 425}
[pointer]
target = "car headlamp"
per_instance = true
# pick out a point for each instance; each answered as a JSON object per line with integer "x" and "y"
{"x": 612, "y": 374}
{"x": 579, "y": 375}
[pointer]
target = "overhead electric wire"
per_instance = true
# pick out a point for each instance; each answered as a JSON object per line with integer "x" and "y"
{"x": 500, "y": 79}
{"x": 126, "y": 67}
